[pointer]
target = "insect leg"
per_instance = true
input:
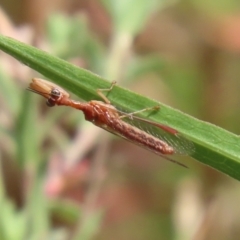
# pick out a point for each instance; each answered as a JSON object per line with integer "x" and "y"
{"x": 130, "y": 115}
{"x": 99, "y": 92}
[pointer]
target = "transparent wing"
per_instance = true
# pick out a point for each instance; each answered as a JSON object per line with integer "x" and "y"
{"x": 165, "y": 133}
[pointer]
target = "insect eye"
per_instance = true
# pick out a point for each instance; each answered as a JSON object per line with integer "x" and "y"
{"x": 55, "y": 92}
{"x": 50, "y": 103}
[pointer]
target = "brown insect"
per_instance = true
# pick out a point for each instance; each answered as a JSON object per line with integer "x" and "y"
{"x": 103, "y": 114}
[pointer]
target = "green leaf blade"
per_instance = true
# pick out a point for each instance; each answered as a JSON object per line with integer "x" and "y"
{"x": 214, "y": 146}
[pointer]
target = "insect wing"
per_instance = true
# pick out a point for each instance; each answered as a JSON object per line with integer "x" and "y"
{"x": 165, "y": 133}
{"x": 111, "y": 130}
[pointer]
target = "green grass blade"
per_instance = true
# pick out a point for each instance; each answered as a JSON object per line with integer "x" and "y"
{"x": 214, "y": 146}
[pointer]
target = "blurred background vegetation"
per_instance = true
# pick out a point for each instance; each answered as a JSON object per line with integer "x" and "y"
{"x": 63, "y": 178}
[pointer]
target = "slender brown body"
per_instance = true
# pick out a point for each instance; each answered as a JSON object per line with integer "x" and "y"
{"x": 106, "y": 116}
